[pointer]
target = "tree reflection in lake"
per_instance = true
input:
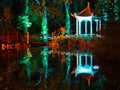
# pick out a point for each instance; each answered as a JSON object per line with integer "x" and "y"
{"x": 46, "y": 68}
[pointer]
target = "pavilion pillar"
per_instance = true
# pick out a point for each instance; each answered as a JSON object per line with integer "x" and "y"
{"x": 91, "y": 60}
{"x": 77, "y": 59}
{"x": 96, "y": 25}
{"x": 86, "y": 60}
{"x": 91, "y": 28}
{"x": 99, "y": 25}
{"x": 80, "y": 62}
{"x": 79, "y": 27}
{"x": 85, "y": 27}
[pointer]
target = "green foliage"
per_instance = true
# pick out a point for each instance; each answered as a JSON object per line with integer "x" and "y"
{"x": 67, "y": 21}
{"x": 44, "y": 26}
{"x": 105, "y": 7}
{"x": 23, "y": 22}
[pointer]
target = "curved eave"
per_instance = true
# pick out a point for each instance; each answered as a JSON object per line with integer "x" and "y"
{"x": 82, "y": 15}
{"x": 81, "y": 18}
{"x": 86, "y": 11}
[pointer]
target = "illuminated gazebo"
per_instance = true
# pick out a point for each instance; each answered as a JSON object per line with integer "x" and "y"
{"x": 84, "y": 22}
{"x": 84, "y": 66}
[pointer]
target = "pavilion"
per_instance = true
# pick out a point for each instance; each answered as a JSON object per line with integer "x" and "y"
{"x": 85, "y": 67}
{"x": 84, "y": 22}
{"x": 84, "y": 64}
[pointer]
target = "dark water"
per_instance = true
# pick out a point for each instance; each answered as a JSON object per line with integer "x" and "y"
{"x": 44, "y": 68}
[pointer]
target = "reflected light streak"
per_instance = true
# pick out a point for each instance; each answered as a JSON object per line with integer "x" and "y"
{"x": 45, "y": 60}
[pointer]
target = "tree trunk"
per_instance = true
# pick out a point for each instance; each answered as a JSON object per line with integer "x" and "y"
{"x": 67, "y": 21}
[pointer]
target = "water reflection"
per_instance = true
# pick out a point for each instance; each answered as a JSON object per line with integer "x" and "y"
{"x": 84, "y": 65}
{"x": 47, "y": 68}
{"x": 8, "y": 56}
{"x": 70, "y": 65}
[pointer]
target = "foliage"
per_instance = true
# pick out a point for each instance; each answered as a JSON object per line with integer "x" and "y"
{"x": 105, "y": 7}
{"x": 56, "y": 11}
{"x": 23, "y": 22}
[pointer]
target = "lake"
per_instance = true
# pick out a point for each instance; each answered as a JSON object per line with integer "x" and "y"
{"x": 48, "y": 68}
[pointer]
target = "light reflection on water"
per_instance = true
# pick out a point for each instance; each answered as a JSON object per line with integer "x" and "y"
{"x": 47, "y": 68}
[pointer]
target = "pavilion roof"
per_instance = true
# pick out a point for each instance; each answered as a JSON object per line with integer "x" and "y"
{"x": 88, "y": 77}
{"x": 86, "y": 11}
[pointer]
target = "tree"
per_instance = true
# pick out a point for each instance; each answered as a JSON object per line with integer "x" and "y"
{"x": 117, "y": 10}
{"x": 67, "y": 16}
{"x": 24, "y": 21}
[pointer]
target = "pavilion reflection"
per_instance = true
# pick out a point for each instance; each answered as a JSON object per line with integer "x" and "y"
{"x": 78, "y": 63}
{"x": 56, "y": 66}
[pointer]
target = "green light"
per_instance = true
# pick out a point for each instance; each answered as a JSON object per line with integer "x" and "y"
{"x": 25, "y": 60}
{"x": 67, "y": 21}
{"x": 45, "y": 59}
{"x": 44, "y": 22}
{"x": 44, "y": 26}
{"x": 24, "y": 22}
{"x": 68, "y": 66}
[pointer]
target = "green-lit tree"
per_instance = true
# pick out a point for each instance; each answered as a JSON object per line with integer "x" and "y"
{"x": 24, "y": 22}
{"x": 44, "y": 21}
{"x": 117, "y": 10}
{"x": 67, "y": 16}
{"x": 109, "y": 9}
{"x": 44, "y": 24}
